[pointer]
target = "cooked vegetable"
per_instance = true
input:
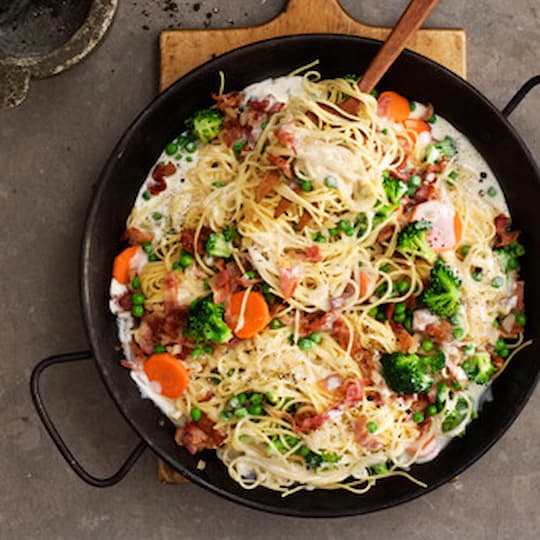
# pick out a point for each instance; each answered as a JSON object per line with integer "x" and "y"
{"x": 393, "y": 106}
{"x": 205, "y": 322}
{"x": 412, "y": 241}
{"x": 453, "y": 419}
{"x": 394, "y": 190}
{"x": 205, "y": 124}
{"x": 169, "y": 372}
{"x": 442, "y": 296}
{"x": 444, "y": 148}
{"x": 218, "y": 246}
{"x": 406, "y": 373}
{"x": 121, "y": 264}
{"x": 479, "y": 368}
{"x": 256, "y": 313}
{"x": 509, "y": 255}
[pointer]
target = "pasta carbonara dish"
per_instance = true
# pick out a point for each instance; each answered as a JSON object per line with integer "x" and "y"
{"x": 320, "y": 284}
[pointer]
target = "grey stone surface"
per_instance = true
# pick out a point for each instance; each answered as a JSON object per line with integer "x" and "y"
{"x": 51, "y": 151}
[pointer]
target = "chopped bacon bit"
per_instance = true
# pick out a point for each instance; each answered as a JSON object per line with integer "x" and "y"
{"x": 225, "y": 102}
{"x": 207, "y": 397}
{"x": 498, "y": 362}
{"x": 233, "y": 132}
{"x": 187, "y": 239}
{"x": 340, "y": 332}
{"x": 282, "y": 164}
{"x": 125, "y": 301}
{"x": 303, "y": 424}
{"x": 161, "y": 170}
{"x": 282, "y": 207}
{"x": 504, "y": 235}
{"x": 288, "y": 280}
{"x": 285, "y": 133}
{"x": 363, "y": 437}
{"x": 425, "y": 192}
{"x": 171, "y": 292}
{"x": 221, "y": 286}
{"x": 390, "y": 310}
{"x": 173, "y": 324}
{"x": 304, "y": 220}
{"x": 351, "y": 105}
{"x": 440, "y": 332}
{"x": 420, "y": 403}
{"x": 270, "y": 179}
{"x": 313, "y": 254}
{"x": 404, "y": 339}
{"x": 149, "y": 331}
{"x": 385, "y": 234}
{"x": 354, "y": 392}
{"x": 196, "y": 436}
{"x": 519, "y": 290}
{"x": 324, "y": 322}
{"x": 136, "y": 237}
{"x": 435, "y": 167}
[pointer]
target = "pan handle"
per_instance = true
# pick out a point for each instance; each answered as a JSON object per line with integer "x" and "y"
{"x": 520, "y": 95}
{"x": 55, "y": 436}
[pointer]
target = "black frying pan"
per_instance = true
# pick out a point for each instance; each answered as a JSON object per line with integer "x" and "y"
{"x": 412, "y": 75}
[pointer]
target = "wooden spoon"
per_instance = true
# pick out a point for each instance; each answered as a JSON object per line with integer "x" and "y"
{"x": 412, "y": 18}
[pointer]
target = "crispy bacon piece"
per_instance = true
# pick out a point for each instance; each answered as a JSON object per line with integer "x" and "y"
{"x": 197, "y": 436}
{"x": 340, "y": 332}
{"x": 404, "y": 339}
{"x": 233, "y": 131}
{"x": 282, "y": 207}
{"x": 363, "y": 437}
{"x": 136, "y": 237}
{"x": 504, "y": 236}
{"x": 285, "y": 133}
{"x": 288, "y": 280}
{"x": 309, "y": 423}
{"x": 354, "y": 392}
{"x": 385, "y": 234}
{"x": 436, "y": 167}
{"x": 171, "y": 292}
{"x": 221, "y": 285}
{"x": 187, "y": 238}
{"x": 160, "y": 172}
{"x": 271, "y": 178}
{"x": 313, "y": 254}
{"x": 149, "y": 331}
{"x": 304, "y": 220}
{"x": 226, "y": 102}
{"x": 173, "y": 325}
{"x": 519, "y": 290}
{"x": 282, "y": 164}
{"x": 125, "y": 301}
{"x": 440, "y": 332}
{"x": 425, "y": 192}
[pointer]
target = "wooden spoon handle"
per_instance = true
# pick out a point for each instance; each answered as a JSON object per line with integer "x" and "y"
{"x": 412, "y": 18}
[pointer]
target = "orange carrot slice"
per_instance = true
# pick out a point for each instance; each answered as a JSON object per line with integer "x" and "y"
{"x": 169, "y": 372}
{"x": 392, "y": 105}
{"x": 417, "y": 125}
{"x": 121, "y": 266}
{"x": 256, "y": 313}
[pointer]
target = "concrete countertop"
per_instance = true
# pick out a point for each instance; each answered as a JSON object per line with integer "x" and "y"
{"x": 51, "y": 151}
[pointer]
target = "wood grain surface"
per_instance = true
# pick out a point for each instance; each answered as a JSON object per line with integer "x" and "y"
{"x": 183, "y": 50}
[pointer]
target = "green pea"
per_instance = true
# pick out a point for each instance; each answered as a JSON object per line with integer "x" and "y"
{"x": 136, "y": 283}
{"x": 159, "y": 349}
{"x": 385, "y": 267}
{"x": 400, "y": 317}
{"x": 304, "y": 450}
{"x": 242, "y": 398}
{"x": 153, "y": 257}
{"x": 343, "y": 225}
{"x": 189, "y": 159}
{"x": 331, "y": 182}
{"x": 464, "y": 250}
{"x": 497, "y": 282}
{"x": 176, "y": 266}
{"x": 137, "y": 311}
{"x": 185, "y": 260}
{"x": 384, "y": 131}
{"x": 225, "y": 414}
{"x": 320, "y": 238}
{"x": 316, "y": 337}
{"x": 191, "y": 146}
{"x": 477, "y": 274}
{"x": 373, "y": 312}
{"x": 255, "y": 409}
{"x": 400, "y": 308}
{"x": 241, "y": 412}
{"x": 147, "y": 247}
{"x": 427, "y": 345}
{"x": 432, "y": 119}
{"x": 418, "y": 417}
{"x": 454, "y": 319}
{"x": 208, "y": 349}
{"x": 380, "y": 316}
{"x": 171, "y": 149}
{"x": 412, "y": 106}
{"x": 431, "y": 410}
{"x": 371, "y": 427}
{"x": 196, "y": 414}
{"x": 333, "y": 232}
{"x": 218, "y": 184}
{"x": 305, "y": 344}
{"x": 415, "y": 181}
{"x": 271, "y": 398}
{"x": 275, "y": 324}
{"x": 458, "y": 333}
{"x": 138, "y": 299}
{"x": 146, "y": 195}
{"x": 453, "y": 175}
{"x": 234, "y": 402}
{"x": 492, "y": 191}
{"x": 256, "y": 399}
{"x": 306, "y": 185}
{"x": 521, "y": 319}
{"x": 402, "y": 286}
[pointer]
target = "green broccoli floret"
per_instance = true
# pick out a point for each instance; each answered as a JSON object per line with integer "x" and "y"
{"x": 394, "y": 190}
{"x": 218, "y": 246}
{"x": 354, "y": 77}
{"x": 437, "y": 361}
{"x": 406, "y": 373}
{"x": 435, "y": 151}
{"x": 205, "y": 322}
{"x": 509, "y": 255}
{"x": 479, "y": 368}
{"x": 205, "y": 124}
{"x": 443, "y": 294}
{"x": 453, "y": 419}
{"x": 412, "y": 240}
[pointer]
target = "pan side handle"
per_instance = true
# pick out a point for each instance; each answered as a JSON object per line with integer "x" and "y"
{"x": 55, "y": 435}
{"x": 520, "y": 95}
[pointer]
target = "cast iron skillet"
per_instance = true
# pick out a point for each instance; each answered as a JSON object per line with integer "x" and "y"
{"x": 412, "y": 75}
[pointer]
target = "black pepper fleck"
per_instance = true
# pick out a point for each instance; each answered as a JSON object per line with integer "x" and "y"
{"x": 483, "y": 174}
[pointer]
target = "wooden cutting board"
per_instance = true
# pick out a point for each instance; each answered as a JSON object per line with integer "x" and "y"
{"x": 183, "y": 50}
